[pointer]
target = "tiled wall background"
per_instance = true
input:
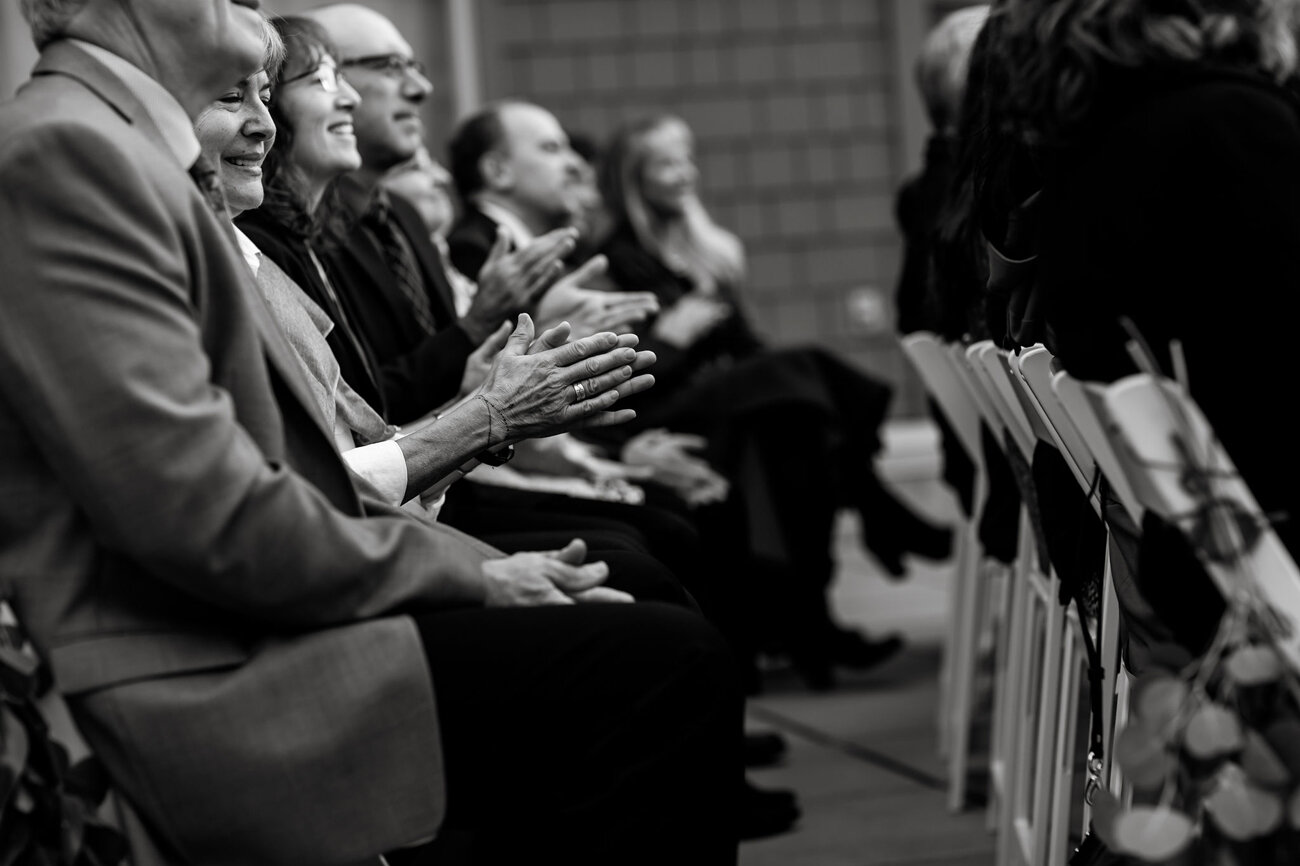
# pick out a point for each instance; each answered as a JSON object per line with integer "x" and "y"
{"x": 792, "y": 103}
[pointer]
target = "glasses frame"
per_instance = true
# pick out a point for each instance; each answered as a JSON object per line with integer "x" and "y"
{"x": 392, "y": 65}
{"x": 330, "y": 85}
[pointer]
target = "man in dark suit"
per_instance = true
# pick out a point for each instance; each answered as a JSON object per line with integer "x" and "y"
{"x": 247, "y": 639}
{"x": 516, "y": 173}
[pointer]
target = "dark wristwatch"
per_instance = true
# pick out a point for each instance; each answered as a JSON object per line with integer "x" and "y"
{"x": 499, "y": 457}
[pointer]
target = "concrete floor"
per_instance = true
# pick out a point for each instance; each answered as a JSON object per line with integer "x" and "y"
{"x": 864, "y": 758}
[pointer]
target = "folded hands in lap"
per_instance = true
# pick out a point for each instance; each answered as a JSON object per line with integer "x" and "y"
{"x": 534, "y": 578}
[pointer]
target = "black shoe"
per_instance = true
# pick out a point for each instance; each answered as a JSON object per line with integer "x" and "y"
{"x": 764, "y": 749}
{"x": 766, "y": 813}
{"x": 890, "y": 529}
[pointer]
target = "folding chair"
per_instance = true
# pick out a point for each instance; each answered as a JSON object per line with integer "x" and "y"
{"x": 1079, "y": 403}
{"x": 957, "y": 675}
{"x": 1147, "y": 417}
{"x": 999, "y": 583}
{"x": 1031, "y": 372}
{"x": 1036, "y": 370}
{"x": 1033, "y": 834}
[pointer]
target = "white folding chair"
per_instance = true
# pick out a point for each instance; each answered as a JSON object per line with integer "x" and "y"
{"x": 999, "y": 583}
{"x": 1147, "y": 416}
{"x": 1031, "y": 371}
{"x": 957, "y": 675}
{"x": 1033, "y": 831}
{"x": 1079, "y": 403}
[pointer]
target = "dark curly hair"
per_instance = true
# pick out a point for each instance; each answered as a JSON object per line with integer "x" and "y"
{"x": 306, "y": 44}
{"x": 1055, "y": 53}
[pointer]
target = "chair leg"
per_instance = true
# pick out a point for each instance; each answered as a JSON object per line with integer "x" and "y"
{"x": 962, "y": 669}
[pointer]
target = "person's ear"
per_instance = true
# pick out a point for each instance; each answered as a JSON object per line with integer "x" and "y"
{"x": 495, "y": 170}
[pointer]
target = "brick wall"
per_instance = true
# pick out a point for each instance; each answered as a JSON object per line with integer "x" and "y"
{"x": 793, "y": 109}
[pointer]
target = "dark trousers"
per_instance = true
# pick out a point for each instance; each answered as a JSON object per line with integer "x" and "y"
{"x": 584, "y": 734}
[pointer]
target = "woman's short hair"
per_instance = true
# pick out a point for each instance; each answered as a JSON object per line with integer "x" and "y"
{"x": 48, "y": 18}
{"x": 942, "y": 64}
{"x": 692, "y": 240}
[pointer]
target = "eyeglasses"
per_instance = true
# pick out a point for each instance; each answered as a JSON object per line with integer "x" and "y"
{"x": 392, "y": 65}
{"x": 326, "y": 75}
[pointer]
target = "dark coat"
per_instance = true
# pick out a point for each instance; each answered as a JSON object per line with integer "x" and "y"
{"x": 1181, "y": 210}
{"x": 417, "y": 371}
{"x": 470, "y": 240}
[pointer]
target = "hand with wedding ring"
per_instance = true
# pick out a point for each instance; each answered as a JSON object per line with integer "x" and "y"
{"x": 545, "y": 386}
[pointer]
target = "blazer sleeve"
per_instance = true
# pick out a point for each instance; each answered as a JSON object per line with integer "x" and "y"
{"x": 469, "y": 243}
{"x": 107, "y": 359}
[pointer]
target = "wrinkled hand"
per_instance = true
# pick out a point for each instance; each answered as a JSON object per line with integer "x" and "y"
{"x": 564, "y": 455}
{"x": 480, "y": 361}
{"x": 531, "y": 386}
{"x": 510, "y": 282}
{"x": 541, "y": 577}
{"x": 589, "y": 311}
{"x": 671, "y": 463}
{"x": 686, "y": 321}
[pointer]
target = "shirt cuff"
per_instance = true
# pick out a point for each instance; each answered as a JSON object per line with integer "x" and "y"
{"x": 383, "y": 465}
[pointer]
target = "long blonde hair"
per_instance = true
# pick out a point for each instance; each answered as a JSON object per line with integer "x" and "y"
{"x": 690, "y": 243}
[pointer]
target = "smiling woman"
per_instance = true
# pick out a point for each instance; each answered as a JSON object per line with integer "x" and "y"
{"x": 236, "y": 133}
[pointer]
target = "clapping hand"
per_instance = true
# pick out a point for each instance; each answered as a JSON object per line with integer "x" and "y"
{"x": 689, "y": 319}
{"x": 533, "y": 578}
{"x": 590, "y": 311}
{"x": 511, "y": 282}
{"x": 480, "y": 361}
{"x": 549, "y": 385}
{"x": 672, "y": 464}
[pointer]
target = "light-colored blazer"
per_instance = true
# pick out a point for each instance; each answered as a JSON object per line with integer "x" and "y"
{"x": 182, "y": 540}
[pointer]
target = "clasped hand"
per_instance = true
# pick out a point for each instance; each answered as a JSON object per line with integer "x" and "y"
{"x": 534, "y": 578}
{"x": 549, "y": 385}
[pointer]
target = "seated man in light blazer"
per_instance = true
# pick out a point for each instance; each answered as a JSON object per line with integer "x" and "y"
{"x": 249, "y": 640}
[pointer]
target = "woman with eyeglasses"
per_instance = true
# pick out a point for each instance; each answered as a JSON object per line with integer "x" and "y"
{"x": 237, "y": 133}
{"x": 306, "y": 95}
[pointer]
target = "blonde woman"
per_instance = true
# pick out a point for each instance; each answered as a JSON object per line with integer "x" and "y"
{"x": 793, "y": 429}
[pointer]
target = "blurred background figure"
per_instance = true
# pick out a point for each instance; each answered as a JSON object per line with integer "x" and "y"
{"x": 793, "y": 429}
{"x": 423, "y": 182}
{"x": 592, "y": 218}
{"x": 941, "y": 75}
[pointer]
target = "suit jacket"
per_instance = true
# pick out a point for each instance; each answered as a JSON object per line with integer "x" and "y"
{"x": 470, "y": 240}
{"x": 178, "y": 533}
{"x": 417, "y": 372}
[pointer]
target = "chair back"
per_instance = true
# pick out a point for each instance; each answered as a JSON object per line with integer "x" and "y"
{"x": 945, "y": 386}
{"x": 1079, "y": 401}
{"x": 1150, "y": 418}
{"x": 1035, "y": 369}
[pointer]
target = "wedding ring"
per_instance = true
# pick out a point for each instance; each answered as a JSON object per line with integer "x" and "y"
{"x": 579, "y": 392}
